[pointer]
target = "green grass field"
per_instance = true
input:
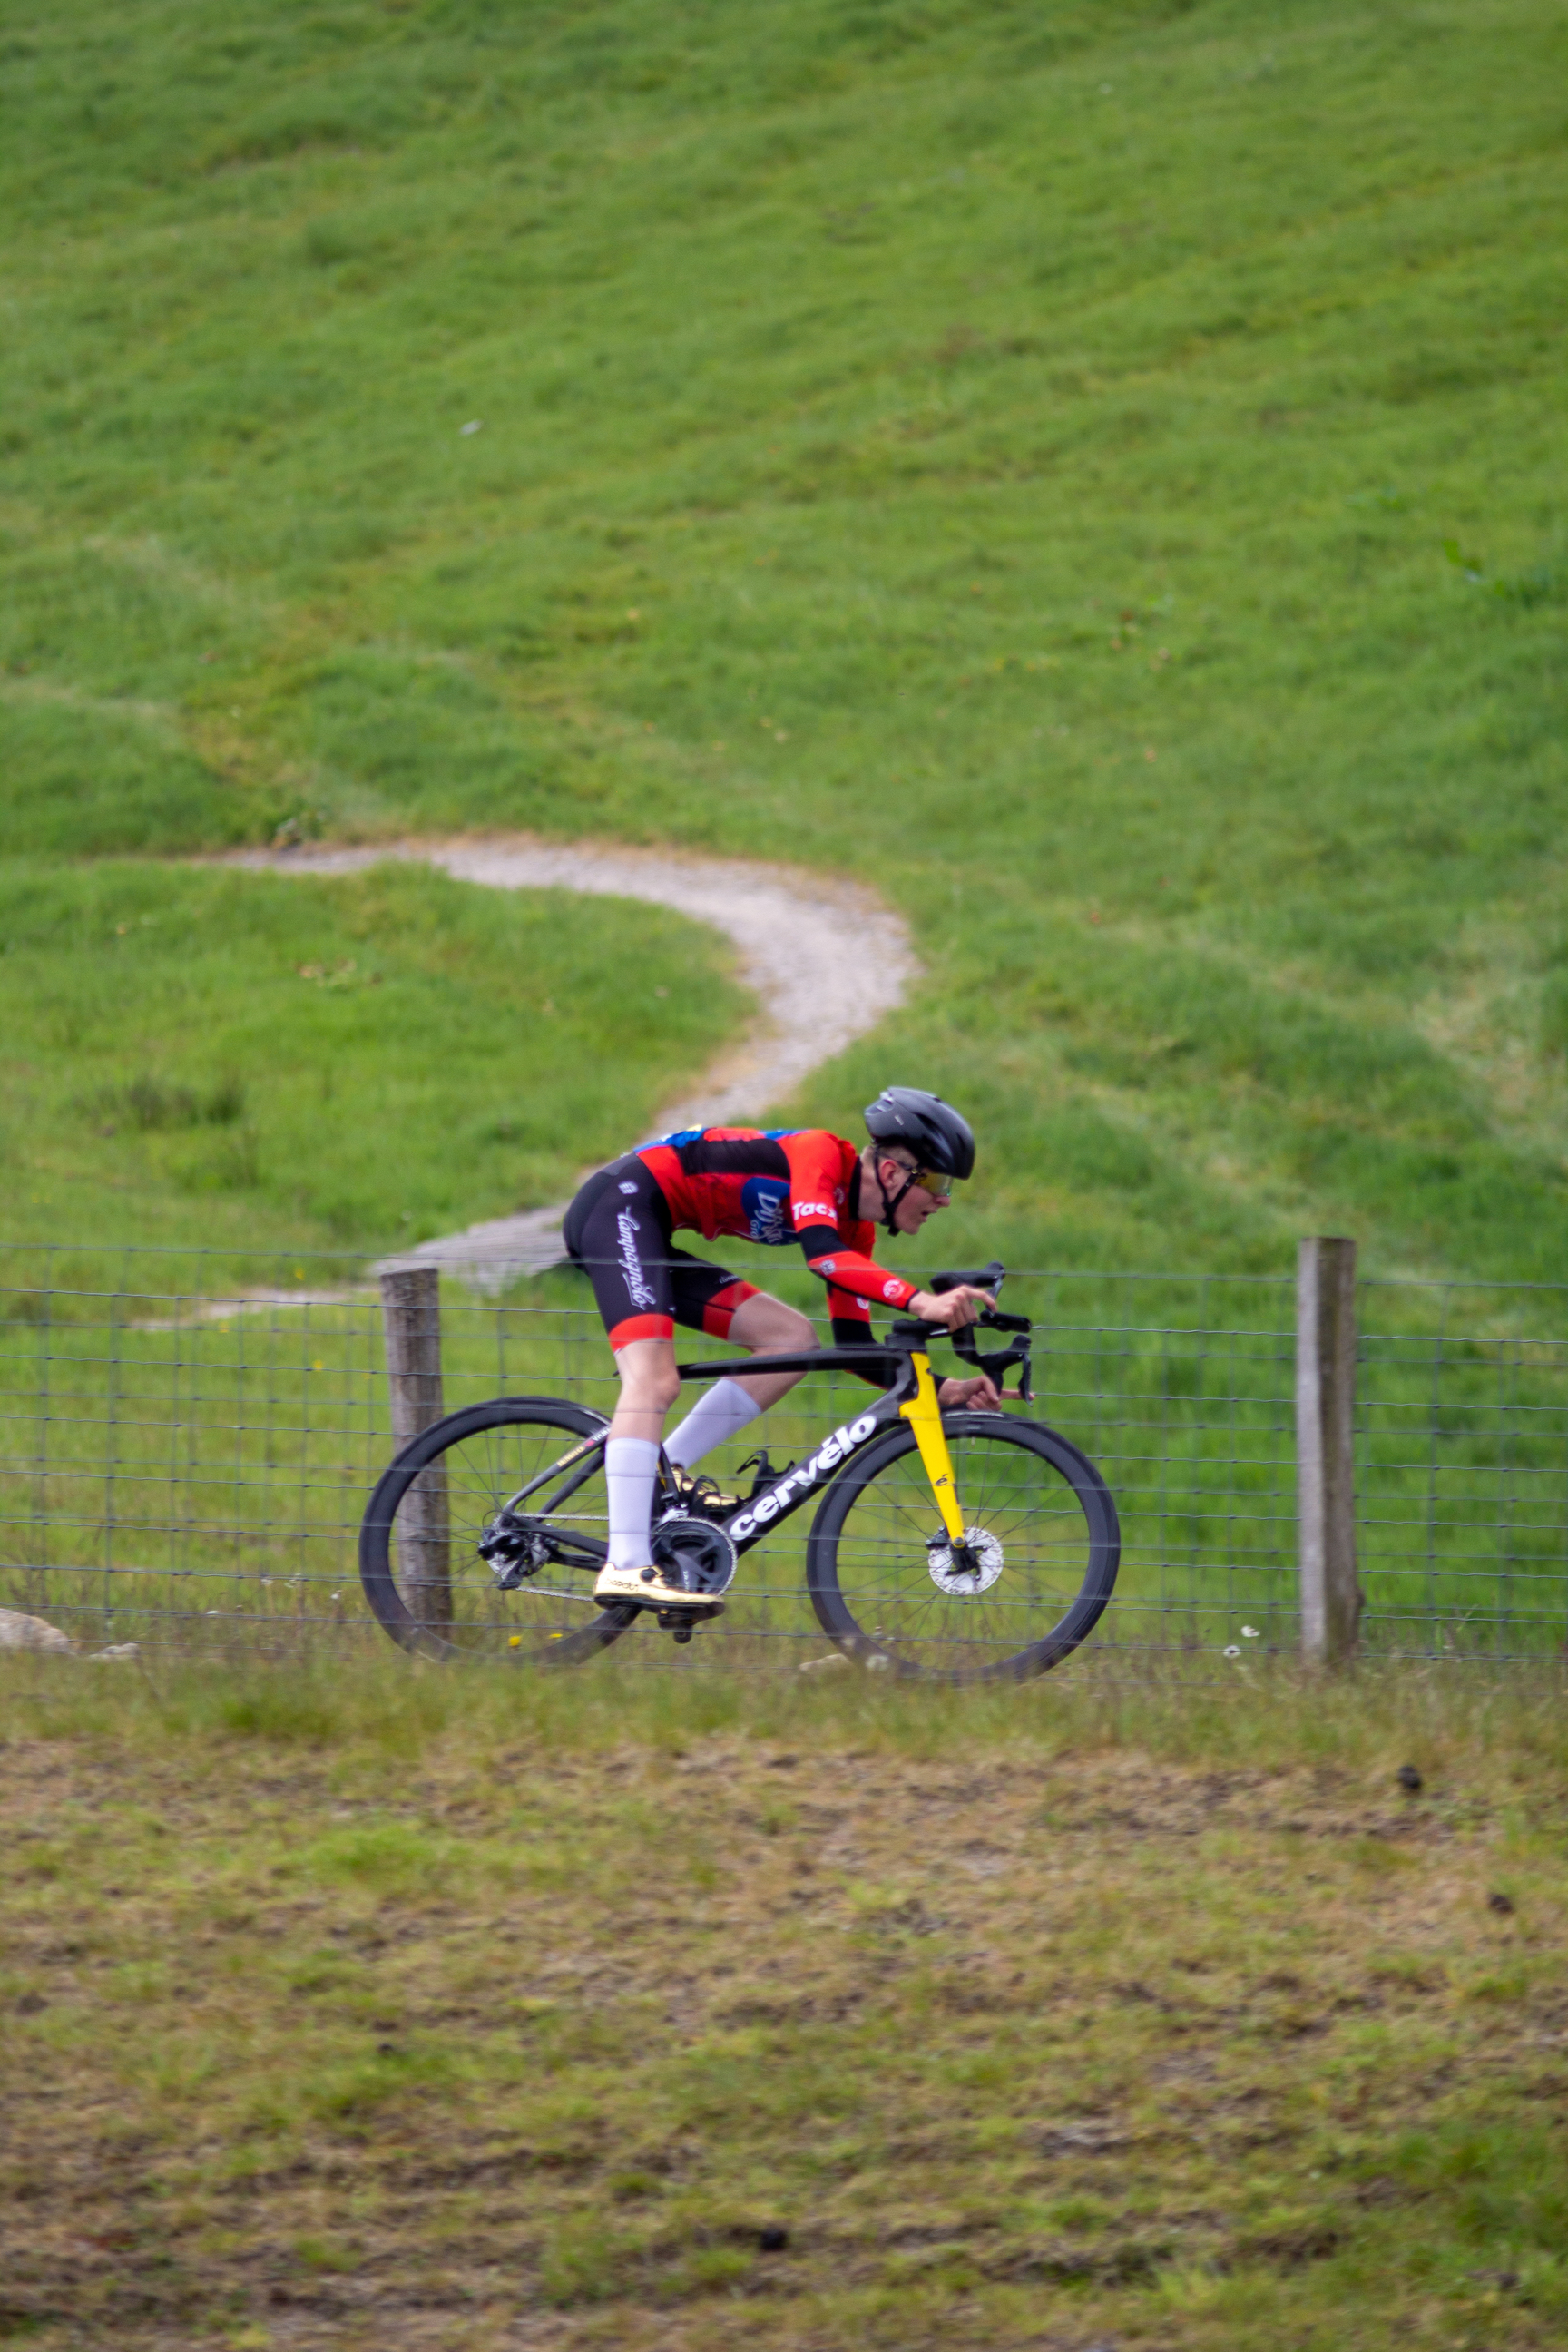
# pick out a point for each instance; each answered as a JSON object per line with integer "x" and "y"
{"x": 1094, "y": 471}
{"x": 669, "y": 2012}
{"x": 259, "y": 1062}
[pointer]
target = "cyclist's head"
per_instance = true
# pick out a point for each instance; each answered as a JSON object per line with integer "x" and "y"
{"x": 928, "y": 1140}
{"x": 940, "y": 1142}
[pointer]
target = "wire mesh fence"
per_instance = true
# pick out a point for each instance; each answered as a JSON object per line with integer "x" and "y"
{"x": 187, "y": 1442}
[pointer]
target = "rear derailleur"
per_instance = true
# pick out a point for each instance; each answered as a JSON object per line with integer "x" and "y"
{"x": 515, "y": 1546}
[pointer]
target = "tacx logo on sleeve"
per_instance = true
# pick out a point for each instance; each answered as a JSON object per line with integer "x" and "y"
{"x": 805, "y": 1212}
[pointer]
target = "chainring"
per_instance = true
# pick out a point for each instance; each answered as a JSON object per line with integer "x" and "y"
{"x": 693, "y": 1553}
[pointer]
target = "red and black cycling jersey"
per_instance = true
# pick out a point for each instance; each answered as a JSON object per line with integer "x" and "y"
{"x": 777, "y": 1186}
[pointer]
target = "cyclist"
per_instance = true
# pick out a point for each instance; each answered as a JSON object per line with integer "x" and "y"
{"x": 785, "y": 1184}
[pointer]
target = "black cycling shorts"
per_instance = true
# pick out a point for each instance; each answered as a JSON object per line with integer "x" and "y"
{"x": 619, "y": 1231}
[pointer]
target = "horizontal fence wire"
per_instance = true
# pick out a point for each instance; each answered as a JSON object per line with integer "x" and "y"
{"x": 188, "y": 1441}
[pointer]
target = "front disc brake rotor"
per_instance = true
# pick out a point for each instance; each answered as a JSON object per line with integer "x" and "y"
{"x": 964, "y": 1570}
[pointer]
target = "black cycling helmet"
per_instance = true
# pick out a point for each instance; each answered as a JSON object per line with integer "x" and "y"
{"x": 930, "y": 1128}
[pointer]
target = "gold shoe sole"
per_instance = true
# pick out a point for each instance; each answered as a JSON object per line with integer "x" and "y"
{"x": 692, "y": 1605}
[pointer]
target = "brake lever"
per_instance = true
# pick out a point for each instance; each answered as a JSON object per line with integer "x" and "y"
{"x": 1000, "y": 1362}
{"x": 985, "y": 1277}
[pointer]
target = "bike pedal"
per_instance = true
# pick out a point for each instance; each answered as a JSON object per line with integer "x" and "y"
{"x": 683, "y": 1622}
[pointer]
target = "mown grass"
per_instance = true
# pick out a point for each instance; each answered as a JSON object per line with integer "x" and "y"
{"x": 1094, "y": 473}
{"x": 276, "y": 1063}
{"x": 661, "y": 2009}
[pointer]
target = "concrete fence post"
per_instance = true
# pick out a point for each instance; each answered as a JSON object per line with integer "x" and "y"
{"x": 411, "y": 1321}
{"x": 1325, "y": 1452}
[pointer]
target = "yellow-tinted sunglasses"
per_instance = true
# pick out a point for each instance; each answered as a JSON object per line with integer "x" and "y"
{"x": 938, "y": 1187}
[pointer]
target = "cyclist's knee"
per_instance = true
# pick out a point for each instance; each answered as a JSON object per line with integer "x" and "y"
{"x": 651, "y": 1395}
{"x": 650, "y": 1382}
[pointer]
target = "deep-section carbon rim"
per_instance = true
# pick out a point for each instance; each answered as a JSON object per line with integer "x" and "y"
{"x": 418, "y": 1549}
{"x": 1025, "y": 1494}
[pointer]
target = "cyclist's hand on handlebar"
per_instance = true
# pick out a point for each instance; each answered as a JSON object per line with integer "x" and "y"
{"x": 955, "y": 1309}
{"x": 976, "y": 1395}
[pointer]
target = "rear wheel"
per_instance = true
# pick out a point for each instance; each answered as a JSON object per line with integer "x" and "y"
{"x": 1037, "y": 1565}
{"x": 420, "y": 1562}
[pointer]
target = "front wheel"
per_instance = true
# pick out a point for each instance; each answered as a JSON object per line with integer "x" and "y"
{"x": 425, "y": 1576}
{"x": 1041, "y": 1547}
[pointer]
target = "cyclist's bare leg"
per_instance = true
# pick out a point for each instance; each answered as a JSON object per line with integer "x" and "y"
{"x": 767, "y": 1327}
{"x": 650, "y": 1386}
{"x": 725, "y": 1411}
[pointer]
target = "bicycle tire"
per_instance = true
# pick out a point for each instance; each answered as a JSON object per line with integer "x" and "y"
{"x": 873, "y": 1566}
{"x": 476, "y": 1621}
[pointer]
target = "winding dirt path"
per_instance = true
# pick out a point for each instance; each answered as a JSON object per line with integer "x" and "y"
{"x": 825, "y": 959}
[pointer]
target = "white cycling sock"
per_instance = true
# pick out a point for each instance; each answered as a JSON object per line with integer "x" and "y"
{"x": 631, "y": 1466}
{"x": 724, "y": 1412}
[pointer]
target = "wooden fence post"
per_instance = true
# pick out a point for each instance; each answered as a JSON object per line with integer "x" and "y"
{"x": 1325, "y": 1452}
{"x": 411, "y": 1319}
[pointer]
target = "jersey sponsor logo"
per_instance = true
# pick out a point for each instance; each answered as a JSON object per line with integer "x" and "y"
{"x": 765, "y": 1201}
{"x": 825, "y": 1265}
{"x": 628, "y": 1187}
{"x": 802, "y": 1477}
{"x": 804, "y": 1210}
{"x": 637, "y": 1285}
{"x": 892, "y": 1290}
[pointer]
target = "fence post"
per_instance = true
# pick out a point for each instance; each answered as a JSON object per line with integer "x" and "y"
{"x": 1325, "y": 1457}
{"x": 411, "y": 1321}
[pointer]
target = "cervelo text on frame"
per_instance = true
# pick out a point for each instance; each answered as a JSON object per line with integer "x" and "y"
{"x": 796, "y": 1483}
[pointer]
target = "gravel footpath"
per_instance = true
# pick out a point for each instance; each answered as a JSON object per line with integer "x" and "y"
{"x": 825, "y": 959}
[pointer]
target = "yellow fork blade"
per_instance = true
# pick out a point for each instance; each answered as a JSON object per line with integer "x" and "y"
{"x": 924, "y": 1416}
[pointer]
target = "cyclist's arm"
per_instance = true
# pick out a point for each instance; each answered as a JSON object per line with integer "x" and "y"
{"x": 818, "y": 1179}
{"x": 851, "y": 1327}
{"x": 955, "y": 1309}
{"x": 851, "y": 1270}
{"x": 855, "y": 1331}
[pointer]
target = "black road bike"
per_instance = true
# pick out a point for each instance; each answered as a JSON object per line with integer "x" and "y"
{"x": 958, "y": 1546}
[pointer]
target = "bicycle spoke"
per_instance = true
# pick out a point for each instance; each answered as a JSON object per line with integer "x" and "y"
{"x": 444, "y": 1580}
{"x": 1030, "y": 1540}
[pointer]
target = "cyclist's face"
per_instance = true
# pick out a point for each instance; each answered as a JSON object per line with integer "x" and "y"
{"x": 919, "y": 1202}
